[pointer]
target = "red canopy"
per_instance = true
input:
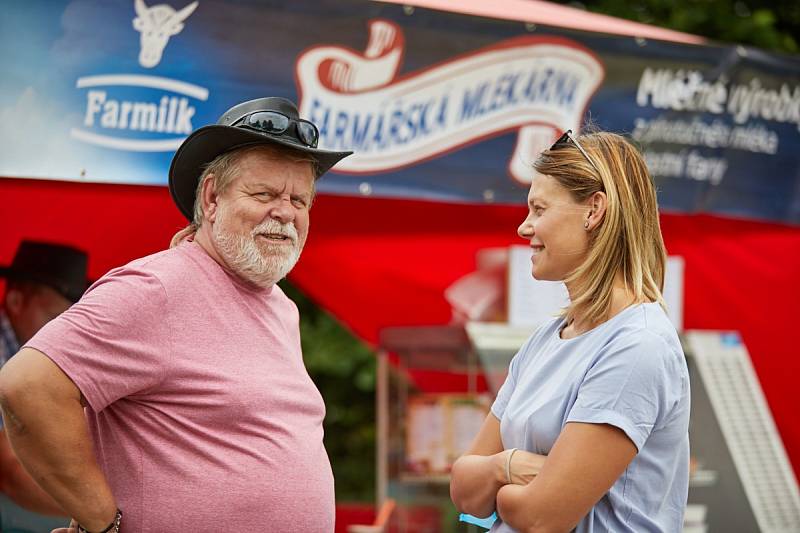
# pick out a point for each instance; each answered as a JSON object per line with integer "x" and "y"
{"x": 376, "y": 262}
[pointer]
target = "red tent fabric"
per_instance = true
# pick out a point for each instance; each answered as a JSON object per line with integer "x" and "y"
{"x": 377, "y": 262}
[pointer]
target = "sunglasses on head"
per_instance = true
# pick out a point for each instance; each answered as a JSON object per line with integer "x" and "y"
{"x": 565, "y": 139}
{"x": 276, "y": 123}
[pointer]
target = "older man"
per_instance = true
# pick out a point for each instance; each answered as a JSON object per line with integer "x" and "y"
{"x": 187, "y": 363}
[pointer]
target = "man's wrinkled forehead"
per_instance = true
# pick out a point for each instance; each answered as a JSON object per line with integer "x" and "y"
{"x": 268, "y": 174}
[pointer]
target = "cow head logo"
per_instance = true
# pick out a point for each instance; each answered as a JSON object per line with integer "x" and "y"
{"x": 157, "y": 24}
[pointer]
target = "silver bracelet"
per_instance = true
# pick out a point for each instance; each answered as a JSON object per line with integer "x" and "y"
{"x": 508, "y": 465}
{"x": 113, "y": 527}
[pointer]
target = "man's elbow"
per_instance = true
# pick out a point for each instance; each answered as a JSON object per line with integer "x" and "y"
{"x": 19, "y": 389}
{"x": 9, "y": 391}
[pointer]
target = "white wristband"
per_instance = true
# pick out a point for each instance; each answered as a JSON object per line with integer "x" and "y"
{"x": 508, "y": 465}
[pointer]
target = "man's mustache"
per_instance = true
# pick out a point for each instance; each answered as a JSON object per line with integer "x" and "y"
{"x": 276, "y": 228}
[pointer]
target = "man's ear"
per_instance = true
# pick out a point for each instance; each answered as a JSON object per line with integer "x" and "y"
{"x": 15, "y": 302}
{"x": 208, "y": 195}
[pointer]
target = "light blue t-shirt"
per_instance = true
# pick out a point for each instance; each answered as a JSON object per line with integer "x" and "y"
{"x": 629, "y": 372}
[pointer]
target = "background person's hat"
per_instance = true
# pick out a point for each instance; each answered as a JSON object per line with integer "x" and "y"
{"x": 58, "y": 266}
{"x": 231, "y": 132}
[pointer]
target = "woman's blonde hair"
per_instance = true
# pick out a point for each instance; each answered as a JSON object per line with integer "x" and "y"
{"x": 223, "y": 169}
{"x": 628, "y": 240}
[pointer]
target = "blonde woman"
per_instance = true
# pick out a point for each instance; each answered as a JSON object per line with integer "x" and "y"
{"x": 590, "y": 429}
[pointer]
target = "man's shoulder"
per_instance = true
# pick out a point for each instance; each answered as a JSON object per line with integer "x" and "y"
{"x": 164, "y": 268}
{"x": 155, "y": 262}
{"x": 177, "y": 261}
{"x": 277, "y": 295}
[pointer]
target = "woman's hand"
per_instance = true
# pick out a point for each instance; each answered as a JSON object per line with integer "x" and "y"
{"x": 581, "y": 467}
{"x": 525, "y": 466}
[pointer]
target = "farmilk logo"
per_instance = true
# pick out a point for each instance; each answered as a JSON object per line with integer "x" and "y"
{"x": 157, "y": 24}
{"x": 136, "y": 112}
{"x": 536, "y": 86}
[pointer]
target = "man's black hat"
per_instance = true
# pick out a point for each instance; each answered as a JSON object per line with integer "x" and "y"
{"x": 233, "y": 131}
{"x": 58, "y": 266}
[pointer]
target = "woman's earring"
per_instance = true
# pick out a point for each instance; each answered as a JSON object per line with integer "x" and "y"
{"x": 586, "y": 225}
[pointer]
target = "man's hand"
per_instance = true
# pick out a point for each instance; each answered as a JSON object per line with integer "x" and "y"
{"x": 71, "y": 528}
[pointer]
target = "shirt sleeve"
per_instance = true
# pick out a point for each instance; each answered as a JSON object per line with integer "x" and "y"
{"x": 634, "y": 385}
{"x": 114, "y": 342}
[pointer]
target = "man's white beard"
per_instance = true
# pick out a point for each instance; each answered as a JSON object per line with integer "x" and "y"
{"x": 262, "y": 264}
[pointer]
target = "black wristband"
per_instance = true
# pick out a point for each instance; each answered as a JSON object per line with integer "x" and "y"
{"x": 113, "y": 527}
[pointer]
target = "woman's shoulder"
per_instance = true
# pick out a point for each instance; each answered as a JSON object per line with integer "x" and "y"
{"x": 646, "y": 331}
{"x": 544, "y": 332}
{"x": 648, "y": 322}
{"x": 540, "y": 339}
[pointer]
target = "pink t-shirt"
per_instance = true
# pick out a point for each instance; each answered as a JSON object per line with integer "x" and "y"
{"x": 201, "y": 411}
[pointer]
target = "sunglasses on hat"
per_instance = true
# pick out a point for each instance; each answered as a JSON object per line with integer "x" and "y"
{"x": 276, "y": 123}
{"x": 565, "y": 139}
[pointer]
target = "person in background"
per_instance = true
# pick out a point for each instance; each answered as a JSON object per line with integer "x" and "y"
{"x": 41, "y": 282}
{"x": 590, "y": 429}
{"x": 199, "y": 412}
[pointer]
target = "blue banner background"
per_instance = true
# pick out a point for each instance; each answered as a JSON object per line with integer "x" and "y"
{"x": 247, "y": 49}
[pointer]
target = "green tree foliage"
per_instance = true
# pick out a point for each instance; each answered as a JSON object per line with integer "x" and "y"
{"x": 343, "y": 369}
{"x": 772, "y": 25}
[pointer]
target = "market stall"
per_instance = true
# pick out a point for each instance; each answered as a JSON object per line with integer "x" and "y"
{"x": 445, "y": 105}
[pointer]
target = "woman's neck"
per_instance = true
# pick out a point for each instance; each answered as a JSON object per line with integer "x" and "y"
{"x": 621, "y": 298}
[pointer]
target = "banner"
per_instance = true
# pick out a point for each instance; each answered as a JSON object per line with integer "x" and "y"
{"x": 435, "y": 105}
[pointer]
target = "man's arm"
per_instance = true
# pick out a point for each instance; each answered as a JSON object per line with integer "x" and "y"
{"x": 479, "y": 473}
{"x": 18, "y": 485}
{"x": 584, "y": 463}
{"x": 46, "y": 426}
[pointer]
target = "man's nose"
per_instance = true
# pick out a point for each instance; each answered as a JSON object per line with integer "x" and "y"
{"x": 282, "y": 209}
